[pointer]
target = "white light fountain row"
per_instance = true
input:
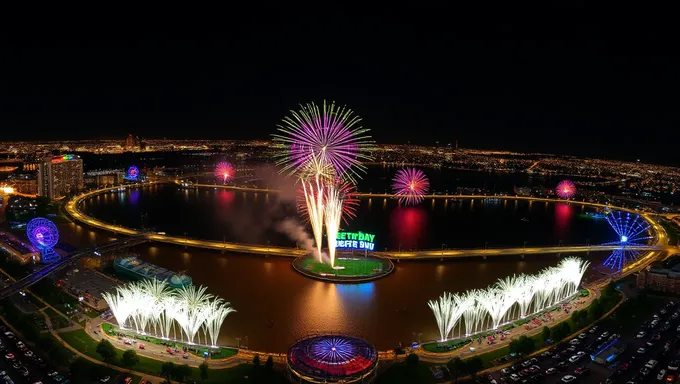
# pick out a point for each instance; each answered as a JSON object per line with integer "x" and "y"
{"x": 512, "y": 298}
{"x": 152, "y": 307}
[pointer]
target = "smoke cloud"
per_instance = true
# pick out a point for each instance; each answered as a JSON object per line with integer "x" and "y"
{"x": 296, "y": 232}
{"x": 260, "y": 223}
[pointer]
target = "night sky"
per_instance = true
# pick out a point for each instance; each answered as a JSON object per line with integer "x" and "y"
{"x": 563, "y": 79}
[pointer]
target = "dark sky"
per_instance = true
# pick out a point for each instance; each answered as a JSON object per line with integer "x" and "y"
{"x": 566, "y": 79}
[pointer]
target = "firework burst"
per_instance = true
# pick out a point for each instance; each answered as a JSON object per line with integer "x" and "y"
{"x": 565, "y": 189}
{"x": 225, "y": 171}
{"x": 331, "y": 134}
{"x": 409, "y": 186}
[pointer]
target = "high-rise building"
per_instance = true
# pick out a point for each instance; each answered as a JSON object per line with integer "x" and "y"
{"x": 60, "y": 176}
{"x": 131, "y": 142}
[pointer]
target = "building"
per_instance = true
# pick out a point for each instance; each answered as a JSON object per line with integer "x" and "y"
{"x": 25, "y": 183}
{"x": 660, "y": 278}
{"x": 131, "y": 142}
{"x": 60, "y": 176}
{"x": 18, "y": 249}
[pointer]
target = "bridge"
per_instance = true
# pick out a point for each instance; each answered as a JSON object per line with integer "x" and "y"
{"x": 66, "y": 261}
{"x": 491, "y": 252}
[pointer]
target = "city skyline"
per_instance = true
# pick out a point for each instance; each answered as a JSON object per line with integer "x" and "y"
{"x": 583, "y": 86}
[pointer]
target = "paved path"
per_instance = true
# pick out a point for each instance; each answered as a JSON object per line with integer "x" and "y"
{"x": 159, "y": 352}
{"x": 115, "y": 367}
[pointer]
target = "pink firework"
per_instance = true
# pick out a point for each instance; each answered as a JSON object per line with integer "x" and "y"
{"x": 565, "y": 189}
{"x": 409, "y": 186}
{"x": 330, "y": 134}
{"x": 225, "y": 171}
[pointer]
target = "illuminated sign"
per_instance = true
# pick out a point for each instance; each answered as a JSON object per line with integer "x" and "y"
{"x": 355, "y": 240}
{"x": 63, "y": 158}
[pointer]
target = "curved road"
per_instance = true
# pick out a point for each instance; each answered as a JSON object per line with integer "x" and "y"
{"x": 73, "y": 209}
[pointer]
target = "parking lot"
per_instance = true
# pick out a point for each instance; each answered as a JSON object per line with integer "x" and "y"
{"x": 652, "y": 342}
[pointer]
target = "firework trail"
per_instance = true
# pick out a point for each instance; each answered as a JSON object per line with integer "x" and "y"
{"x": 333, "y": 218}
{"x": 332, "y": 134}
{"x": 225, "y": 171}
{"x": 409, "y": 186}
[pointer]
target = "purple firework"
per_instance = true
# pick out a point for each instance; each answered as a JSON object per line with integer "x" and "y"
{"x": 565, "y": 189}
{"x": 409, "y": 186}
{"x": 331, "y": 134}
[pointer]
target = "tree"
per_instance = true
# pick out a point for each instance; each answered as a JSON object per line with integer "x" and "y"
{"x": 81, "y": 370}
{"x": 560, "y": 331}
{"x": 545, "y": 333}
{"x": 204, "y": 370}
{"x": 181, "y": 372}
{"x": 167, "y": 370}
{"x": 130, "y": 358}
{"x": 269, "y": 364}
{"x": 595, "y": 311}
{"x": 475, "y": 364}
{"x": 256, "y": 360}
{"x": 412, "y": 359}
{"x": 456, "y": 367}
{"x": 524, "y": 345}
{"x": 579, "y": 318}
{"x": 106, "y": 350}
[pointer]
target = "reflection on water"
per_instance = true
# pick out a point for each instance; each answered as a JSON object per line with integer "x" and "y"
{"x": 619, "y": 258}
{"x": 275, "y": 305}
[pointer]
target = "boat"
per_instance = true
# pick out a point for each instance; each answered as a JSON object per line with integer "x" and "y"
{"x": 137, "y": 269}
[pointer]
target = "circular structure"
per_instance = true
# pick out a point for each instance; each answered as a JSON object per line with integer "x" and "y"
{"x": 347, "y": 269}
{"x": 132, "y": 173}
{"x": 332, "y": 359}
{"x": 565, "y": 189}
{"x": 42, "y": 233}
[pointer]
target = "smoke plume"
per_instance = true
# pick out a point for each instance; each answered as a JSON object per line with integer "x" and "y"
{"x": 297, "y": 233}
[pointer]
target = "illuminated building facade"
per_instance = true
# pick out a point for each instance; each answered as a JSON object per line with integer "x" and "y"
{"x": 131, "y": 142}
{"x": 660, "y": 278}
{"x": 59, "y": 176}
{"x": 25, "y": 183}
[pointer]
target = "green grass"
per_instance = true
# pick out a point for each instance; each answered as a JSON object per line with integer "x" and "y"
{"x": 402, "y": 373}
{"x": 220, "y": 353}
{"x": 57, "y": 320}
{"x": 88, "y": 346}
{"x": 433, "y": 347}
{"x": 362, "y": 267}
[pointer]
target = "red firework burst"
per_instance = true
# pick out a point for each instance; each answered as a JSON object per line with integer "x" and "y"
{"x": 565, "y": 189}
{"x": 224, "y": 171}
{"x": 409, "y": 186}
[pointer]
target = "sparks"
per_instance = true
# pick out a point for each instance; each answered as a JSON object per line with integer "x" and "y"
{"x": 409, "y": 186}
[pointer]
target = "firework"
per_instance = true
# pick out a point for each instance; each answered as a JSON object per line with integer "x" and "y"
{"x": 331, "y": 134}
{"x": 225, "y": 171}
{"x": 409, "y": 186}
{"x": 507, "y": 300}
{"x": 152, "y": 307}
{"x": 565, "y": 189}
{"x": 333, "y": 212}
